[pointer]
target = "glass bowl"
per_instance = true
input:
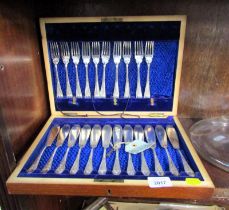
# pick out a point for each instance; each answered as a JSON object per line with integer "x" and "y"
{"x": 210, "y": 138}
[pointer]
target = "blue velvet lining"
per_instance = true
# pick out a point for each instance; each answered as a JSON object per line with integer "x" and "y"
{"x": 162, "y": 69}
{"x": 98, "y": 151}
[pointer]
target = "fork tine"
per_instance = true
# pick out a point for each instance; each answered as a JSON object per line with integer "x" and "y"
{"x": 78, "y": 49}
{"x": 129, "y": 48}
{"x": 64, "y": 48}
{"x": 72, "y": 48}
{"x": 56, "y": 49}
{"x": 142, "y": 48}
{"x": 61, "y": 48}
{"x": 146, "y": 47}
{"x": 67, "y": 47}
{"x": 152, "y": 48}
{"x": 51, "y": 49}
{"x": 75, "y": 48}
{"x": 83, "y": 48}
{"x": 89, "y": 49}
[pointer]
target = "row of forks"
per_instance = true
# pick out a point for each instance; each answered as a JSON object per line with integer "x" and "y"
{"x": 93, "y": 50}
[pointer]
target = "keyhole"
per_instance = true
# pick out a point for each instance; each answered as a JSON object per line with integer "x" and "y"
{"x": 2, "y": 67}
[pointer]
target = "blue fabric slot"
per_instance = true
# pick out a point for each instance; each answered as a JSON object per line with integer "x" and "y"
{"x": 98, "y": 152}
{"x": 162, "y": 69}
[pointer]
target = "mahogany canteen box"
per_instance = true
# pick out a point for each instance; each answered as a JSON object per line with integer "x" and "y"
{"x": 113, "y": 87}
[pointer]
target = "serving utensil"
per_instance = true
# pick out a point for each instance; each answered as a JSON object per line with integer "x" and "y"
{"x": 139, "y": 135}
{"x": 106, "y": 138}
{"x": 64, "y": 131}
{"x": 105, "y": 55}
{"x": 55, "y": 55}
{"x": 65, "y": 54}
{"x": 162, "y": 138}
{"x": 128, "y": 137}
{"x": 117, "y": 54}
{"x": 94, "y": 140}
{"x": 138, "y": 57}
{"x": 51, "y": 137}
{"x": 75, "y": 53}
{"x": 149, "y": 48}
{"x": 117, "y": 138}
{"x": 95, "y": 53}
{"x": 86, "y": 55}
{"x": 126, "y": 57}
{"x": 172, "y": 135}
{"x": 84, "y": 135}
{"x": 151, "y": 139}
{"x": 73, "y": 136}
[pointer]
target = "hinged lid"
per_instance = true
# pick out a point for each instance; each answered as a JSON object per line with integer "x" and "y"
{"x": 165, "y": 33}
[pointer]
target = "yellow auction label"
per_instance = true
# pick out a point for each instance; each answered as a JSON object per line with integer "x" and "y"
{"x": 192, "y": 181}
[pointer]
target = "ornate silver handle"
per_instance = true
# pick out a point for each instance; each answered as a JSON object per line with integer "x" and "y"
{"x": 147, "y": 88}
{"x": 130, "y": 166}
{"x": 139, "y": 90}
{"x": 103, "y": 89}
{"x": 187, "y": 168}
{"x": 49, "y": 163}
{"x": 103, "y": 164}
{"x": 75, "y": 166}
{"x": 144, "y": 167}
{"x": 158, "y": 169}
{"x": 59, "y": 91}
{"x": 127, "y": 86}
{"x": 87, "y": 88}
{"x": 116, "y": 168}
{"x": 78, "y": 89}
{"x": 33, "y": 167}
{"x": 89, "y": 166}
{"x": 96, "y": 93}
{"x": 172, "y": 167}
{"x": 116, "y": 88}
{"x": 61, "y": 167}
{"x": 68, "y": 88}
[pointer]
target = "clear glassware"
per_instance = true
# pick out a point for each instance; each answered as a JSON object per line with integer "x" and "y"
{"x": 210, "y": 138}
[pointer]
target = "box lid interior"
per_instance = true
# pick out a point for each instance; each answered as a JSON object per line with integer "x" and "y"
{"x": 168, "y": 37}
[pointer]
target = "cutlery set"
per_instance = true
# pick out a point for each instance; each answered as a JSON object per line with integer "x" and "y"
{"x": 102, "y": 52}
{"x": 112, "y": 136}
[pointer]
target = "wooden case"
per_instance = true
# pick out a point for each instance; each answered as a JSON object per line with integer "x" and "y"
{"x": 187, "y": 187}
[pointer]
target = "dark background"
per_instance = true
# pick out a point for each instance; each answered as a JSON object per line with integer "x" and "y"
{"x": 24, "y": 105}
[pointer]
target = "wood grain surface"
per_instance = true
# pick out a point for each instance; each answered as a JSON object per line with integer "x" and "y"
{"x": 23, "y": 94}
{"x": 205, "y": 74}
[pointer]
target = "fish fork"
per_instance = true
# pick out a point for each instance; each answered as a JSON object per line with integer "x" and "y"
{"x": 117, "y": 54}
{"x": 126, "y": 57}
{"x": 55, "y": 55}
{"x": 75, "y": 53}
{"x": 65, "y": 54}
{"x": 86, "y": 55}
{"x": 149, "y": 51}
{"x": 106, "y": 50}
{"x": 95, "y": 53}
{"x": 138, "y": 57}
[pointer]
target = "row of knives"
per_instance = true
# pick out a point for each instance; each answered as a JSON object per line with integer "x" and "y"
{"x": 102, "y": 52}
{"x": 114, "y": 136}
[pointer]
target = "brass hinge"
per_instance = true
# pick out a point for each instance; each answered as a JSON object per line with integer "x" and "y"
{"x": 111, "y": 19}
{"x": 157, "y": 115}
